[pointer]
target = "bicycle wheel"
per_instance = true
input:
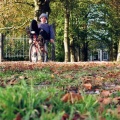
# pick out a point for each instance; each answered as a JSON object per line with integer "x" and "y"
{"x": 33, "y": 55}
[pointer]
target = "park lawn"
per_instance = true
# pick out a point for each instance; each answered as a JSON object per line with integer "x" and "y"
{"x": 60, "y": 91}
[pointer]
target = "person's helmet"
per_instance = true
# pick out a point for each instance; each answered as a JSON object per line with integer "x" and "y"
{"x": 43, "y": 15}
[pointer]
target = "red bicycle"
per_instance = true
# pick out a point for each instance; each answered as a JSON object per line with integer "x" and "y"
{"x": 38, "y": 49}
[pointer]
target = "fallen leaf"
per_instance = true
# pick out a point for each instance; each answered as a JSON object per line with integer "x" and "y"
{"x": 65, "y": 116}
{"x": 115, "y": 100}
{"x": 107, "y": 101}
{"x": 71, "y": 97}
{"x": 87, "y": 86}
{"x": 105, "y": 93}
{"x": 101, "y": 108}
{"x": 118, "y": 109}
{"x": 18, "y": 117}
{"x": 117, "y": 88}
{"x": 78, "y": 116}
{"x": 52, "y": 76}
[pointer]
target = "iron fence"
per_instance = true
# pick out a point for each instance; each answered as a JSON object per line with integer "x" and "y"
{"x": 15, "y": 48}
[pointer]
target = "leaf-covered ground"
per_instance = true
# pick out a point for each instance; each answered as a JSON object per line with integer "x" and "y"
{"x": 95, "y": 75}
{"x": 74, "y": 80}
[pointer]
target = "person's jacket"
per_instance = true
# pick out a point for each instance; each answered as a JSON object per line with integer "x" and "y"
{"x": 48, "y": 28}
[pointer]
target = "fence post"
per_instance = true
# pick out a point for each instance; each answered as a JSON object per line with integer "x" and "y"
{"x": 1, "y": 46}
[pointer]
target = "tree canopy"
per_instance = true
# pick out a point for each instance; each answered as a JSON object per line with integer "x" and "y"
{"x": 89, "y": 22}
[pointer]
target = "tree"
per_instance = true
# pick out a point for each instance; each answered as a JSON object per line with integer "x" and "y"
{"x": 66, "y": 38}
{"x": 78, "y": 29}
{"x": 41, "y": 6}
{"x": 14, "y": 14}
{"x": 58, "y": 20}
{"x": 68, "y": 7}
{"x": 77, "y": 33}
{"x": 113, "y": 19}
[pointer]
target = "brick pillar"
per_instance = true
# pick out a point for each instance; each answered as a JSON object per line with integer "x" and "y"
{"x": 1, "y": 46}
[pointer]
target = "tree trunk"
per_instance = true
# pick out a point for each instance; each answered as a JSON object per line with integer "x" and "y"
{"x": 37, "y": 9}
{"x": 41, "y": 6}
{"x": 66, "y": 39}
{"x": 118, "y": 55}
{"x": 85, "y": 51}
{"x": 77, "y": 54}
{"x": 72, "y": 55}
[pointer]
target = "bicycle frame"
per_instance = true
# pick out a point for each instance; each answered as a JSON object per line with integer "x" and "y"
{"x": 40, "y": 51}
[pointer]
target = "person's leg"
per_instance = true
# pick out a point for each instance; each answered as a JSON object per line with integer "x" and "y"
{"x": 34, "y": 26}
{"x": 46, "y": 51}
